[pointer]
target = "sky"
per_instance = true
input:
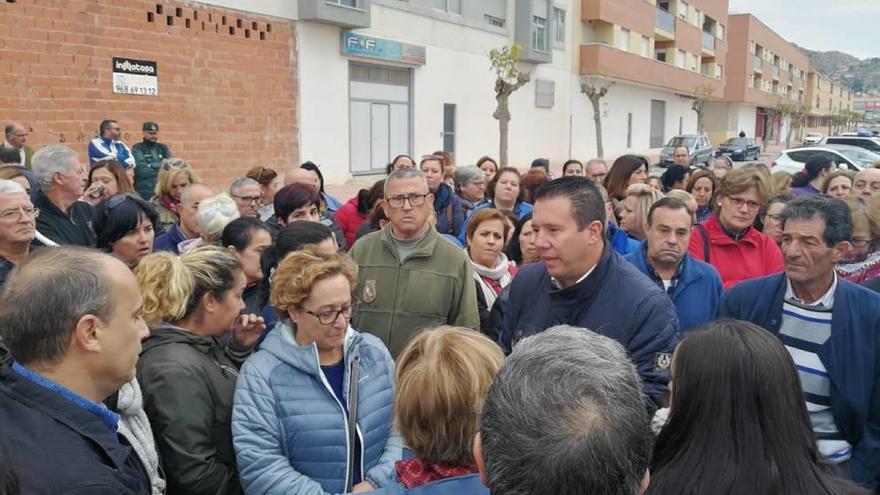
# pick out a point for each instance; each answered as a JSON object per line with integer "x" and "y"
{"x": 849, "y": 26}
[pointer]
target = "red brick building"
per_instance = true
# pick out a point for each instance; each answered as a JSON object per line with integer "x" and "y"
{"x": 227, "y": 85}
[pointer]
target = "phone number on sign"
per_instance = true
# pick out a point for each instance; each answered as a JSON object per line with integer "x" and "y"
{"x": 136, "y": 90}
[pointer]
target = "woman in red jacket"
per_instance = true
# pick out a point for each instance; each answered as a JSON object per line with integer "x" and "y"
{"x": 353, "y": 213}
{"x": 727, "y": 240}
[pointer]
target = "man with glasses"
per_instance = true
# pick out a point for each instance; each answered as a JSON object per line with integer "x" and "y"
{"x": 17, "y": 226}
{"x": 16, "y": 137}
{"x": 409, "y": 278}
{"x": 247, "y": 194}
{"x": 109, "y": 147}
{"x": 597, "y": 169}
{"x": 866, "y": 184}
{"x": 148, "y": 156}
{"x": 63, "y": 218}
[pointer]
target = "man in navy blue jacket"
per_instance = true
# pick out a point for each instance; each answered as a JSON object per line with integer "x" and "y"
{"x": 582, "y": 282}
{"x": 60, "y": 436}
{"x": 694, "y": 287}
{"x": 831, "y": 328}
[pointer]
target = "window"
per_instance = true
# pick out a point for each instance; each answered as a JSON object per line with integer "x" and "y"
{"x": 449, "y": 128}
{"x": 559, "y": 20}
{"x": 720, "y": 32}
{"x": 545, "y": 93}
{"x": 624, "y": 39}
{"x": 679, "y": 59}
{"x": 645, "y": 49}
{"x": 494, "y": 21}
{"x": 344, "y": 3}
{"x": 683, "y": 10}
{"x": 719, "y": 71}
{"x": 660, "y": 55}
{"x": 451, "y": 6}
{"x": 539, "y": 33}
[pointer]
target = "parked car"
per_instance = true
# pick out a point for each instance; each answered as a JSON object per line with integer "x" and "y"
{"x": 813, "y": 138}
{"x": 740, "y": 149}
{"x": 845, "y": 156}
{"x": 871, "y": 144}
{"x": 698, "y": 145}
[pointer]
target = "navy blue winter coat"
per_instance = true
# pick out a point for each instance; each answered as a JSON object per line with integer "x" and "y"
{"x": 851, "y": 356}
{"x": 698, "y": 292}
{"x": 615, "y": 300}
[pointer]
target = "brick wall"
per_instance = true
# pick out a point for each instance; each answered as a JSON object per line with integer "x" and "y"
{"x": 227, "y": 82}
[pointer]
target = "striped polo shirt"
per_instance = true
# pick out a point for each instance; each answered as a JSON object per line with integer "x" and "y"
{"x": 805, "y": 329}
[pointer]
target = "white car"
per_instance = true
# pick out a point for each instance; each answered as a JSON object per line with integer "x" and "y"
{"x": 813, "y": 138}
{"x": 846, "y": 157}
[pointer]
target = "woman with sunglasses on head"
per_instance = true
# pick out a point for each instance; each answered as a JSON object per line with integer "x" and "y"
{"x": 187, "y": 376}
{"x": 728, "y": 240}
{"x": 124, "y": 228}
{"x": 313, "y": 407}
{"x": 174, "y": 176}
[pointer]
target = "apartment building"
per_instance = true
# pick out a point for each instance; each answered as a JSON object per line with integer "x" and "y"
{"x": 826, "y": 99}
{"x": 658, "y": 54}
{"x": 765, "y": 72}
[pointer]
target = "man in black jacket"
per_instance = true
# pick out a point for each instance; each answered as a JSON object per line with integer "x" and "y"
{"x": 61, "y": 438}
{"x": 63, "y": 218}
{"x": 582, "y": 281}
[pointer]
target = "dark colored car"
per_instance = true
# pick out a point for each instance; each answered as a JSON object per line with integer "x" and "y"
{"x": 740, "y": 149}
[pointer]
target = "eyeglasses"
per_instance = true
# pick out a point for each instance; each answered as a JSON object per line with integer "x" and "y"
{"x": 15, "y": 214}
{"x": 739, "y": 202}
{"x": 860, "y": 243}
{"x": 174, "y": 164}
{"x": 775, "y": 218}
{"x": 329, "y": 317}
{"x": 414, "y": 200}
{"x": 247, "y": 199}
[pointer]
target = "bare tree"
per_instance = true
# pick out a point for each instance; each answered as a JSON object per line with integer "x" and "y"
{"x": 595, "y": 89}
{"x": 702, "y": 94}
{"x": 509, "y": 79}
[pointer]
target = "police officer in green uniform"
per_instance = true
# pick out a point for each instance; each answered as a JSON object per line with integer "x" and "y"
{"x": 148, "y": 156}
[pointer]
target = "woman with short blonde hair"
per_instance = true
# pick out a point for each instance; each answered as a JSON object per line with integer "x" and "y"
{"x": 442, "y": 377}
{"x": 635, "y": 207}
{"x": 314, "y": 405}
{"x": 174, "y": 176}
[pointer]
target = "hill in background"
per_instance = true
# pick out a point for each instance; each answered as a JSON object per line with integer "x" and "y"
{"x": 861, "y": 76}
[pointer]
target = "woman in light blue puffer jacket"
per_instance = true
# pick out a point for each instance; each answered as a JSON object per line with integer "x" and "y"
{"x": 290, "y": 422}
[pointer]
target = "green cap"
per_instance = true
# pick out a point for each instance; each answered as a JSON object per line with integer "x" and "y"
{"x": 151, "y": 127}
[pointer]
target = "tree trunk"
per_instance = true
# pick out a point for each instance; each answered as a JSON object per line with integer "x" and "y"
{"x": 502, "y": 131}
{"x": 597, "y": 120}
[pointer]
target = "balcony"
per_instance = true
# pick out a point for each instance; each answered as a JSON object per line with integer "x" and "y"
{"x": 759, "y": 63}
{"x": 664, "y": 25}
{"x": 599, "y": 59}
{"x": 708, "y": 43}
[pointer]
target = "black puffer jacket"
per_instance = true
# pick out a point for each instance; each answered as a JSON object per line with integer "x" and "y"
{"x": 188, "y": 382}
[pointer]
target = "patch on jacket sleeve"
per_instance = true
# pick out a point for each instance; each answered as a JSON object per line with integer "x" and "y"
{"x": 662, "y": 361}
{"x": 369, "y": 294}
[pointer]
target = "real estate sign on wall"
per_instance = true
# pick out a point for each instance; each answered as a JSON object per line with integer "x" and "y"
{"x": 135, "y": 77}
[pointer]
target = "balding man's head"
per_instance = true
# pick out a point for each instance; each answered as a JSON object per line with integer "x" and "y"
{"x": 866, "y": 184}
{"x": 297, "y": 175}
{"x": 94, "y": 321}
{"x": 16, "y": 134}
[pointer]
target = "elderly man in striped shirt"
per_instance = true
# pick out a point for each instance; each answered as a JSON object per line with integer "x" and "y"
{"x": 830, "y": 327}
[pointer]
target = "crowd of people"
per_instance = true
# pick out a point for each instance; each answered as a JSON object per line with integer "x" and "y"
{"x": 449, "y": 329}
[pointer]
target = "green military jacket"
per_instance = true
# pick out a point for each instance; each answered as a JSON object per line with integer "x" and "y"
{"x": 434, "y": 286}
{"x": 148, "y": 159}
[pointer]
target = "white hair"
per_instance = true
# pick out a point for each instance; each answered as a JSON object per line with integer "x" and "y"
{"x": 214, "y": 215}
{"x": 49, "y": 160}
{"x": 12, "y": 187}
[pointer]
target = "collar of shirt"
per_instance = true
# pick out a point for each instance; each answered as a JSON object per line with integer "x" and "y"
{"x": 826, "y": 301}
{"x": 558, "y": 285}
{"x": 108, "y": 417}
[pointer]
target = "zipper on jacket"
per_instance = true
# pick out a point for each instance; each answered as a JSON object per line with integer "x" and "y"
{"x": 345, "y": 415}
